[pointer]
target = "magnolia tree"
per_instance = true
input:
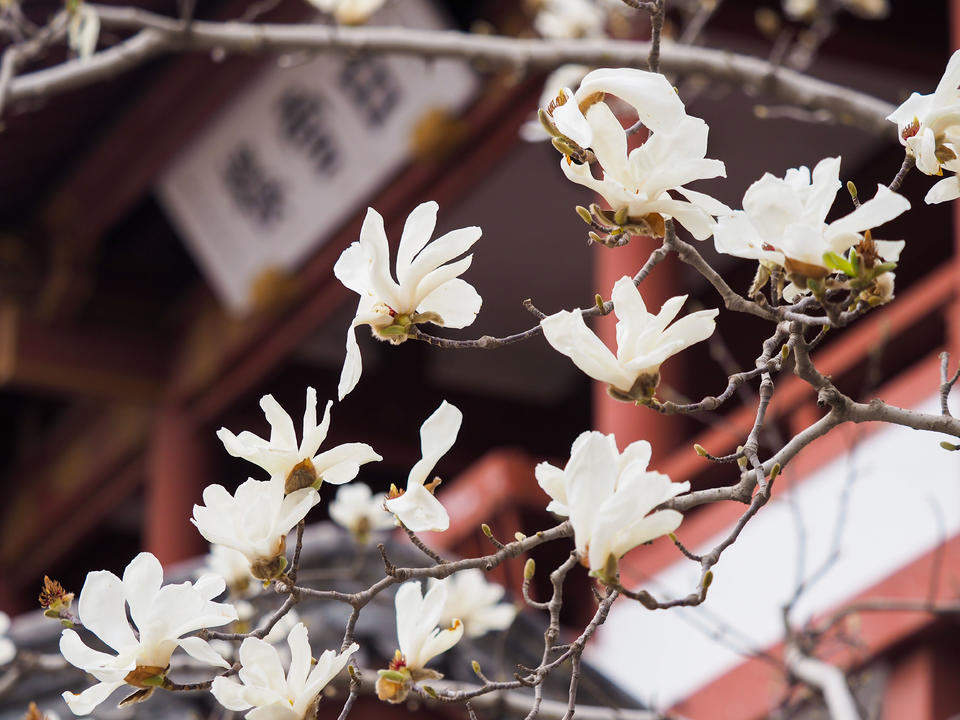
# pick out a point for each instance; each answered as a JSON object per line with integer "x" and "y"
{"x": 817, "y": 270}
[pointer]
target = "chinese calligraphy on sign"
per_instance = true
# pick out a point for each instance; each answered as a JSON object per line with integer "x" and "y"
{"x": 299, "y": 151}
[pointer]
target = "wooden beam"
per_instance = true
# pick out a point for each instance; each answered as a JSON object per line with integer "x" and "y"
{"x": 84, "y": 363}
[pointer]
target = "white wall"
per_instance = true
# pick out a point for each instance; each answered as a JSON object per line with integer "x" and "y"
{"x": 900, "y": 477}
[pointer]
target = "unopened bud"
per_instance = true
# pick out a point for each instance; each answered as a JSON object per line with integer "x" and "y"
{"x": 672, "y": 536}
{"x": 476, "y": 668}
{"x": 621, "y": 216}
{"x": 707, "y": 579}
{"x": 949, "y": 446}
{"x": 520, "y": 537}
{"x": 529, "y": 569}
{"x": 852, "y": 189}
{"x": 741, "y": 461}
{"x": 430, "y": 691}
{"x": 598, "y": 299}
{"x": 701, "y": 451}
{"x": 785, "y": 351}
{"x": 774, "y": 471}
{"x": 584, "y": 214}
{"x": 486, "y": 530}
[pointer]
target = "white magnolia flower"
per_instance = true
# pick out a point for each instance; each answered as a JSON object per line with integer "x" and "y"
{"x": 8, "y": 651}
{"x": 784, "y": 221}
{"x": 805, "y": 9}
{"x": 266, "y": 691}
{"x": 567, "y": 19}
{"x": 643, "y": 340}
{"x": 416, "y": 507}
{"x": 359, "y": 511}
{"x": 254, "y": 521}
{"x": 83, "y": 30}
{"x": 610, "y": 499}
{"x": 554, "y": 480}
{"x": 298, "y": 466}
{"x": 929, "y": 127}
{"x": 348, "y": 12}
{"x": 428, "y": 287}
{"x": 476, "y": 603}
{"x": 161, "y": 615}
{"x": 232, "y": 565}
{"x": 418, "y": 616}
{"x": 640, "y": 182}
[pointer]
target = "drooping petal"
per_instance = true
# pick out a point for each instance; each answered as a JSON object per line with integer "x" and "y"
{"x": 352, "y": 365}
{"x": 282, "y": 433}
{"x": 657, "y": 104}
{"x": 85, "y": 702}
{"x": 200, "y": 649}
{"x": 568, "y": 334}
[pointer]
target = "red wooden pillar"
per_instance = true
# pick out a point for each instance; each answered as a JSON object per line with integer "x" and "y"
{"x": 922, "y": 684}
{"x": 178, "y": 468}
{"x": 627, "y": 421}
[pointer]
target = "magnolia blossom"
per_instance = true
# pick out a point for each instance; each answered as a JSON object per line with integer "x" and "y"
{"x": 783, "y": 221}
{"x": 232, "y": 565}
{"x": 643, "y": 340}
{"x": 419, "y": 638}
{"x": 929, "y": 128}
{"x": 8, "y": 651}
{"x": 570, "y": 19}
{"x": 161, "y": 615}
{"x": 359, "y": 511}
{"x": 554, "y": 480}
{"x": 475, "y": 602}
{"x": 639, "y": 183}
{"x": 610, "y": 498}
{"x": 869, "y": 9}
{"x": 427, "y": 288}
{"x": 254, "y": 521}
{"x": 298, "y": 466}
{"x": 416, "y": 507}
{"x": 266, "y": 692}
{"x": 348, "y": 12}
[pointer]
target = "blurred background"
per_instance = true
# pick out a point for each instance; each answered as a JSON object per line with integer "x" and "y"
{"x": 167, "y": 241}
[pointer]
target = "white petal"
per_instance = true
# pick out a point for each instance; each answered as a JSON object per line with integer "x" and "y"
{"x": 199, "y": 649}
{"x": 419, "y": 510}
{"x": 85, "y": 702}
{"x": 352, "y": 365}
{"x": 437, "y": 435}
{"x": 230, "y": 694}
{"x": 456, "y": 301}
{"x": 103, "y": 611}
{"x": 417, "y": 231}
{"x": 651, "y": 94}
{"x": 944, "y": 190}
{"x": 568, "y": 334}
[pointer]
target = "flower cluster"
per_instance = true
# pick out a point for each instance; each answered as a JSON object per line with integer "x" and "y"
{"x": 783, "y": 225}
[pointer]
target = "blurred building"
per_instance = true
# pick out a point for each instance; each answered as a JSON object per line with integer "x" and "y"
{"x": 167, "y": 246}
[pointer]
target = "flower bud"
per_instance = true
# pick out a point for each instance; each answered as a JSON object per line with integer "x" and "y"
{"x": 701, "y": 451}
{"x": 529, "y": 569}
{"x": 486, "y": 530}
{"x": 476, "y": 668}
